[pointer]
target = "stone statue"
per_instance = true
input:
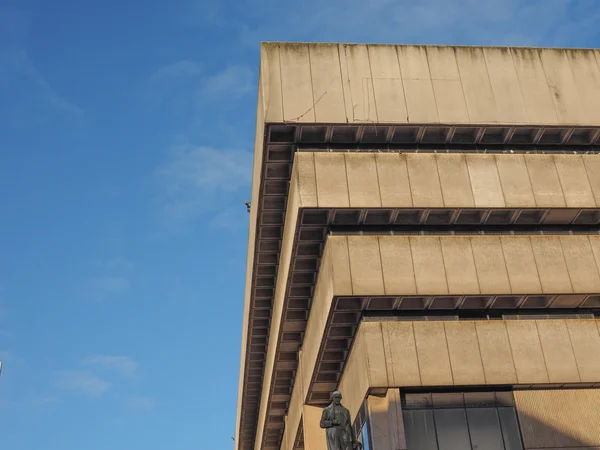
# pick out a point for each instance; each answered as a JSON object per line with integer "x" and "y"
{"x": 338, "y": 429}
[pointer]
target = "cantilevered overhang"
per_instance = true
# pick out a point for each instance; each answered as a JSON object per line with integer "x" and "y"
{"x": 410, "y": 98}
{"x": 406, "y": 194}
{"x": 433, "y": 275}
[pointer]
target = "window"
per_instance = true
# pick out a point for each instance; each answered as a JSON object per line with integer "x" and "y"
{"x": 363, "y": 436}
{"x": 361, "y": 427}
{"x": 461, "y": 420}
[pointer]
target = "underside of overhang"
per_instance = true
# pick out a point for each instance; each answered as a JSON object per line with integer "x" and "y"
{"x": 442, "y": 278}
{"x": 464, "y": 202}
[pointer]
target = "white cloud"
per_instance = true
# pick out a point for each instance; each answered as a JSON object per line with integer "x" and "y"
{"x": 27, "y": 401}
{"x": 103, "y": 285}
{"x": 19, "y": 74}
{"x": 119, "y": 265}
{"x": 180, "y": 70}
{"x": 232, "y": 219}
{"x": 170, "y": 86}
{"x": 195, "y": 176}
{"x": 233, "y": 81}
{"x": 122, "y": 365}
{"x": 140, "y": 403}
{"x": 82, "y": 382}
{"x": 488, "y": 22}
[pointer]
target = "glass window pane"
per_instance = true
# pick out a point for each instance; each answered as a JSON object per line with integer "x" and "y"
{"x": 366, "y": 441}
{"x": 510, "y": 429}
{"x": 484, "y": 428}
{"x": 420, "y": 430}
{"x": 452, "y": 431}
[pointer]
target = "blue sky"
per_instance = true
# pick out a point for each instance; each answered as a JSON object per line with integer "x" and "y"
{"x": 126, "y": 132}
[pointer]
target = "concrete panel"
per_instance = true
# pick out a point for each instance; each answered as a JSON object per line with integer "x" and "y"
{"x": 490, "y": 265}
{"x": 314, "y": 435}
{"x": 304, "y": 165}
{"x": 393, "y": 180}
{"x": 340, "y": 271}
{"x": 558, "y": 352}
{"x": 586, "y": 347}
{"x": 454, "y": 180}
{"x": 520, "y": 263}
{"x": 574, "y": 181}
{"x": 365, "y": 265}
{"x": 592, "y": 166}
{"x": 358, "y": 84}
{"x": 332, "y": 183}
{"x": 387, "y": 84}
{"x": 463, "y": 347}
{"x": 544, "y": 181}
{"x": 551, "y": 265}
{"x": 424, "y": 181}
{"x": 587, "y": 79}
{"x": 397, "y": 265}
{"x": 298, "y": 102}
{"x": 447, "y": 87}
{"x": 401, "y": 354}
{"x": 363, "y": 183}
{"x": 479, "y": 96}
{"x": 562, "y": 86}
{"x": 380, "y": 422}
{"x": 354, "y": 384}
{"x": 581, "y": 264}
{"x": 270, "y": 82}
{"x": 496, "y": 354}
{"x": 385, "y": 420}
{"x": 418, "y": 88}
{"x": 559, "y": 418}
{"x": 527, "y": 351}
{"x": 515, "y": 182}
{"x": 321, "y": 305}
{"x": 430, "y": 274}
{"x": 432, "y": 351}
{"x": 534, "y": 87}
{"x": 459, "y": 265}
{"x": 485, "y": 181}
{"x": 396, "y": 420}
{"x": 510, "y": 107}
{"x": 595, "y": 243}
{"x": 373, "y": 338}
{"x": 328, "y": 93}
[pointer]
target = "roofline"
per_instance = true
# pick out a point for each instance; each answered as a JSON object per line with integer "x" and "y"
{"x": 381, "y": 44}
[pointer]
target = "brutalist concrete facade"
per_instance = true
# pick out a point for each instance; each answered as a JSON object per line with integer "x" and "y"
{"x": 424, "y": 237}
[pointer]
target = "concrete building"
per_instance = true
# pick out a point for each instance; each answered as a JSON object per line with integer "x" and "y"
{"x": 424, "y": 238}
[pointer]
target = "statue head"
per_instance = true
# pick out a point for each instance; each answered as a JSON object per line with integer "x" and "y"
{"x": 337, "y": 398}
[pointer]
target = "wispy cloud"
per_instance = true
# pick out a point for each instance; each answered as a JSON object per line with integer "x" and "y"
{"x": 232, "y": 219}
{"x": 228, "y": 83}
{"x": 119, "y": 265}
{"x": 185, "y": 87}
{"x": 5, "y": 355}
{"x": 177, "y": 71}
{"x": 28, "y": 401}
{"x": 122, "y": 365}
{"x": 19, "y": 76}
{"x": 195, "y": 177}
{"x": 140, "y": 403}
{"x": 107, "y": 285}
{"x": 82, "y": 382}
{"x": 490, "y": 22}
